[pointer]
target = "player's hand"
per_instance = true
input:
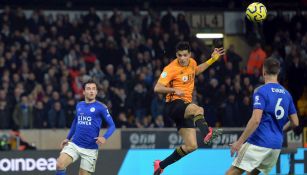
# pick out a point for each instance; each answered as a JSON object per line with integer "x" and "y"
{"x": 217, "y": 53}
{"x": 235, "y": 147}
{"x": 100, "y": 140}
{"x": 64, "y": 143}
{"x": 179, "y": 92}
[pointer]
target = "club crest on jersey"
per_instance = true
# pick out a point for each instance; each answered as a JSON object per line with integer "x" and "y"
{"x": 164, "y": 74}
{"x": 92, "y": 109}
{"x": 185, "y": 78}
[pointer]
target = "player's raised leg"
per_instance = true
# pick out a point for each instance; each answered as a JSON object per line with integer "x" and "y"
{"x": 189, "y": 139}
{"x": 62, "y": 162}
{"x": 190, "y": 144}
{"x": 197, "y": 114}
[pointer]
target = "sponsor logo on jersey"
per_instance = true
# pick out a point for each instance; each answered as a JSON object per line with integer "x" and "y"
{"x": 108, "y": 113}
{"x": 257, "y": 100}
{"x": 84, "y": 120}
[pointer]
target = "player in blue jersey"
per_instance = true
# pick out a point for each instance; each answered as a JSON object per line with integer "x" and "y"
{"x": 83, "y": 139}
{"x": 258, "y": 148}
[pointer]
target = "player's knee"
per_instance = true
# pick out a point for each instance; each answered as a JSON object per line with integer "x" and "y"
{"x": 60, "y": 165}
{"x": 199, "y": 111}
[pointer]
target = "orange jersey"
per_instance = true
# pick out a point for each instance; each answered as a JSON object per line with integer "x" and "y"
{"x": 179, "y": 77}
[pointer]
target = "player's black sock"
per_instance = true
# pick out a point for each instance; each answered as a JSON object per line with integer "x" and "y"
{"x": 175, "y": 156}
{"x": 201, "y": 123}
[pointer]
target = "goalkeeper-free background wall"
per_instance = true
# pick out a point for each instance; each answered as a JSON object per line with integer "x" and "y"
{"x": 133, "y": 162}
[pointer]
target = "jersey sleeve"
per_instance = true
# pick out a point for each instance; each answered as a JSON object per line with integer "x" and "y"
{"x": 73, "y": 126}
{"x": 166, "y": 76}
{"x": 72, "y": 129}
{"x": 292, "y": 109}
{"x": 258, "y": 100}
{"x": 108, "y": 118}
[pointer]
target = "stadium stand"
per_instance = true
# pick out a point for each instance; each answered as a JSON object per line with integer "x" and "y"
{"x": 44, "y": 59}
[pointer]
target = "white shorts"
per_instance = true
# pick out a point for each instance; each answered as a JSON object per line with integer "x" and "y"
{"x": 252, "y": 157}
{"x": 88, "y": 156}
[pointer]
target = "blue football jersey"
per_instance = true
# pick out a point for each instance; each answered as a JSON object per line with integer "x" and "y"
{"x": 87, "y": 123}
{"x": 277, "y": 104}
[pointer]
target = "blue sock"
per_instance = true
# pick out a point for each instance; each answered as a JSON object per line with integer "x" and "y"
{"x": 60, "y": 172}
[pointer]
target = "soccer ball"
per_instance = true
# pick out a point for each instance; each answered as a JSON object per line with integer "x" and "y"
{"x": 256, "y": 12}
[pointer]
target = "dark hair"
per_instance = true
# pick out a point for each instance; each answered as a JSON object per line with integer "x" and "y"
{"x": 90, "y": 81}
{"x": 271, "y": 66}
{"x": 183, "y": 45}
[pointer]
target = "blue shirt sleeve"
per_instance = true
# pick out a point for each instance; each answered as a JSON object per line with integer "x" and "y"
{"x": 258, "y": 101}
{"x": 292, "y": 109}
{"x": 111, "y": 126}
{"x": 72, "y": 129}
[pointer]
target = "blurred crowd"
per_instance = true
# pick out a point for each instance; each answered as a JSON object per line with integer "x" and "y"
{"x": 45, "y": 58}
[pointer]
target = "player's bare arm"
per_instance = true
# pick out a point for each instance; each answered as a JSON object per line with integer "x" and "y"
{"x": 252, "y": 125}
{"x": 160, "y": 88}
{"x": 293, "y": 123}
{"x": 216, "y": 54}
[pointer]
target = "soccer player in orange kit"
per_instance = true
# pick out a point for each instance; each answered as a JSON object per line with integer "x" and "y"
{"x": 177, "y": 82}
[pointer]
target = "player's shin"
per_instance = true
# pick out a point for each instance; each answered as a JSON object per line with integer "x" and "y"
{"x": 201, "y": 123}
{"x": 174, "y": 157}
{"x": 60, "y": 172}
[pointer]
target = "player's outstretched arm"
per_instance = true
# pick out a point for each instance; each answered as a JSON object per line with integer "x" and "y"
{"x": 293, "y": 123}
{"x": 252, "y": 125}
{"x": 216, "y": 54}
